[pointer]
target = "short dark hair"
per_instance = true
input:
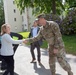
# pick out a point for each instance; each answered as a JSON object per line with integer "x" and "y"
{"x": 41, "y": 16}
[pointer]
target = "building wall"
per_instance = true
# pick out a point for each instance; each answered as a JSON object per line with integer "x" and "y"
{"x": 12, "y": 16}
{"x": 17, "y": 21}
{"x": 24, "y": 21}
{"x": 28, "y": 19}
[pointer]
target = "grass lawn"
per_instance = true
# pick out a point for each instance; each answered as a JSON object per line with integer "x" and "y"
{"x": 69, "y": 41}
{"x": 24, "y": 34}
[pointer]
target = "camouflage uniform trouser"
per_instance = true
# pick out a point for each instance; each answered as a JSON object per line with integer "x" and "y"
{"x": 61, "y": 58}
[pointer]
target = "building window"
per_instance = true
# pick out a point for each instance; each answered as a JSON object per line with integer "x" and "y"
{"x": 15, "y": 27}
{"x": 14, "y": 11}
{"x": 14, "y": 19}
{"x": 13, "y": 2}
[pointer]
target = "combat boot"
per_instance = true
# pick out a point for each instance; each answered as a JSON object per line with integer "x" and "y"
{"x": 70, "y": 73}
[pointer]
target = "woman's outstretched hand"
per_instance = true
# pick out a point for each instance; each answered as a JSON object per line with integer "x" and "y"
{"x": 25, "y": 41}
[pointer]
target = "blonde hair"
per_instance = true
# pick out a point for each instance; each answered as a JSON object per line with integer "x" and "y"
{"x": 3, "y": 27}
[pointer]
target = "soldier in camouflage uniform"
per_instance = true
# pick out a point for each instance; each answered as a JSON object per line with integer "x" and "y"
{"x": 51, "y": 33}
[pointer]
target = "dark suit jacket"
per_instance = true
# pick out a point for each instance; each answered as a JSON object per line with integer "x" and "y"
{"x": 31, "y": 35}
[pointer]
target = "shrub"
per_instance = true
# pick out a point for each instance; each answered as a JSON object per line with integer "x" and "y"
{"x": 53, "y": 17}
{"x": 68, "y": 24}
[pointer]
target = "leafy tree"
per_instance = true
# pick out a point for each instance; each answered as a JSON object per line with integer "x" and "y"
{"x": 41, "y": 6}
{"x": 54, "y": 8}
{"x": 2, "y": 20}
{"x": 71, "y": 3}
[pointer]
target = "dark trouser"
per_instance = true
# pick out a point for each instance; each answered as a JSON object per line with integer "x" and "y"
{"x": 33, "y": 46}
{"x": 10, "y": 65}
{"x": 3, "y": 64}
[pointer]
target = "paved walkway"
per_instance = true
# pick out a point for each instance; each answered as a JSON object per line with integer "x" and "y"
{"x": 24, "y": 67}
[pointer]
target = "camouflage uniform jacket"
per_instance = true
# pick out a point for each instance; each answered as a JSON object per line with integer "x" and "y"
{"x": 51, "y": 33}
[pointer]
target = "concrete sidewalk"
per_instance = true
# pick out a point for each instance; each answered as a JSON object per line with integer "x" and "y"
{"x": 24, "y": 67}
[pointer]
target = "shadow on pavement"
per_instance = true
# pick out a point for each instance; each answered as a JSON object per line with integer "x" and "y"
{"x": 41, "y": 70}
{"x": 71, "y": 59}
{"x": 45, "y": 52}
{"x": 15, "y": 73}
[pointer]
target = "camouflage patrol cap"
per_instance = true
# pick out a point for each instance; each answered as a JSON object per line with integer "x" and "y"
{"x": 41, "y": 16}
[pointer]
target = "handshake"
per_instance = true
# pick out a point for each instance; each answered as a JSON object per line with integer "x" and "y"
{"x": 25, "y": 41}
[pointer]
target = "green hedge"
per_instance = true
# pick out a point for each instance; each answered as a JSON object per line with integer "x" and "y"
{"x": 68, "y": 24}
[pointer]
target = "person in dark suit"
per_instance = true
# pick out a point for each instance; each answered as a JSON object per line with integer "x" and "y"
{"x": 34, "y": 30}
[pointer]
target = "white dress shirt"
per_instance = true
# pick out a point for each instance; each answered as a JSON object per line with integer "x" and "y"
{"x": 35, "y": 31}
{"x": 6, "y": 45}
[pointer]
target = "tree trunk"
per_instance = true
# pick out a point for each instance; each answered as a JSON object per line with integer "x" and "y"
{"x": 28, "y": 18}
{"x": 54, "y": 6}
